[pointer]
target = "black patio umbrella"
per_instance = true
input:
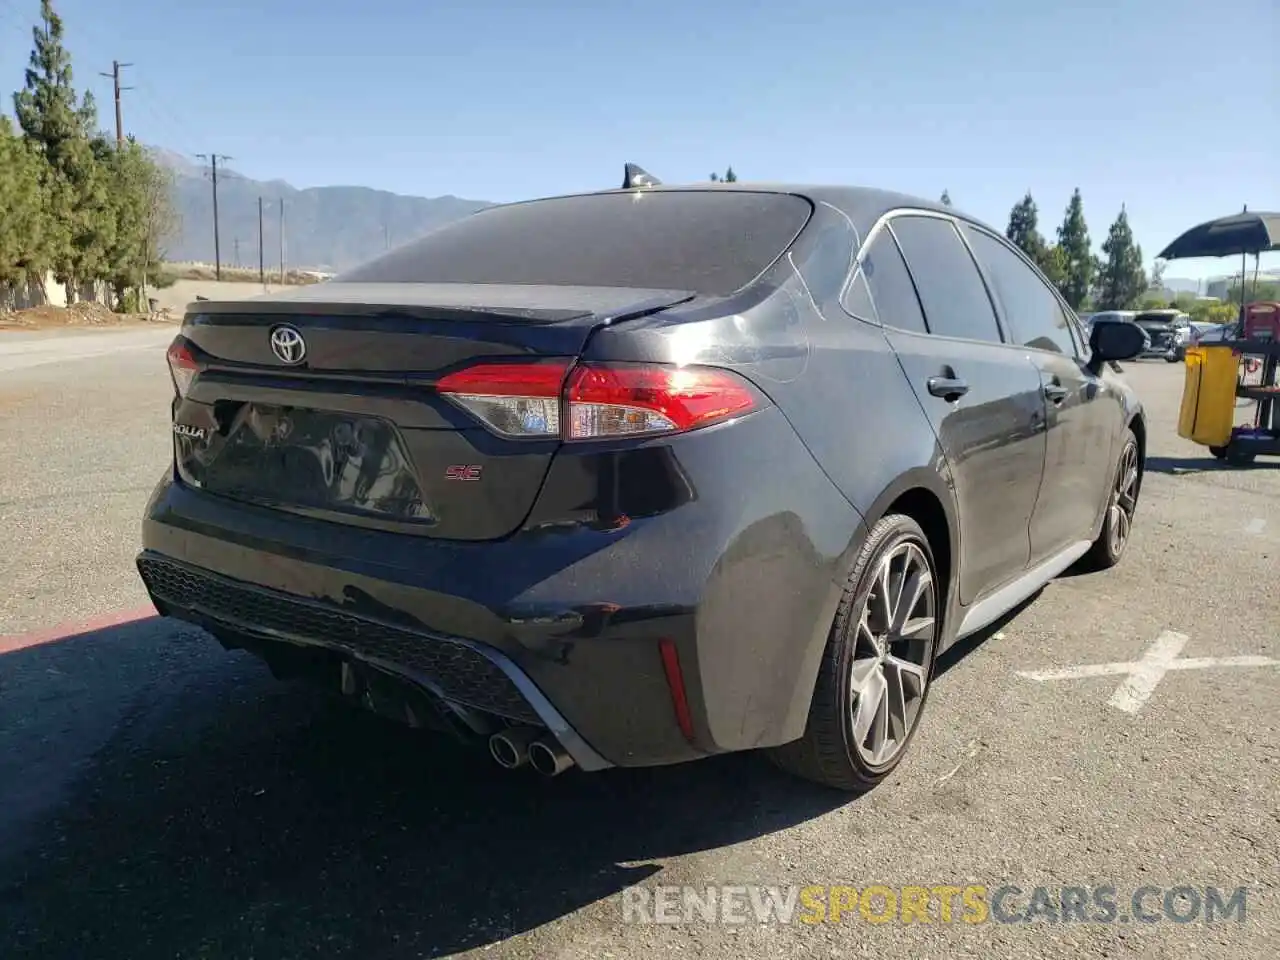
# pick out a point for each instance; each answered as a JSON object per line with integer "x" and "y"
{"x": 1241, "y": 233}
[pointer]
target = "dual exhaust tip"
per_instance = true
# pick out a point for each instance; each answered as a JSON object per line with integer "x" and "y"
{"x": 514, "y": 747}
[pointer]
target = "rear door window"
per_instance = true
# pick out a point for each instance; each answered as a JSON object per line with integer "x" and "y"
{"x": 952, "y": 293}
{"x": 707, "y": 242}
{"x": 1033, "y": 314}
{"x": 882, "y": 291}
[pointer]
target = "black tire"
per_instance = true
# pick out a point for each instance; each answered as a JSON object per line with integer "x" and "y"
{"x": 830, "y": 752}
{"x": 1122, "y": 495}
{"x": 1174, "y": 359}
{"x": 1238, "y": 458}
{"x": 1219, "y": 452}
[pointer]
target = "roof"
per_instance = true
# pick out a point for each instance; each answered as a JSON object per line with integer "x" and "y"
{"x": 863, "y": 205}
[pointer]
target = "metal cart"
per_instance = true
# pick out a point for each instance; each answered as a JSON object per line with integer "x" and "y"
{"x": 1261, "y": 341}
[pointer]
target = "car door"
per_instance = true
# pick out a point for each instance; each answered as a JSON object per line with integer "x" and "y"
{"x": 983, "y": 399}
{"x": 1080, "y": 416}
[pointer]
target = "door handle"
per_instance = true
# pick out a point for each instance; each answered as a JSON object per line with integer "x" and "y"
{"x": 1055, "y": 393}
{"x": 948, "y": 388}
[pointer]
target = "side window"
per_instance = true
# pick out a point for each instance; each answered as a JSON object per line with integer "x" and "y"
{"x": 1034, "y": 316}
{"x": 884, "y": 276}
{"x": 1076, "y": 330}
{"x": 955, "y": 299}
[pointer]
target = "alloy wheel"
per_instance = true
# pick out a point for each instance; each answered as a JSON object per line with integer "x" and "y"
{"x": 893, "y": 653}
{"x": 1124, "y": 499}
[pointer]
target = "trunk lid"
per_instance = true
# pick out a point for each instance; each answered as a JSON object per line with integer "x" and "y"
{"x": 321, "y": 401}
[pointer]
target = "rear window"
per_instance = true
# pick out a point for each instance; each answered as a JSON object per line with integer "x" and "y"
{"x": 707, "y": 242}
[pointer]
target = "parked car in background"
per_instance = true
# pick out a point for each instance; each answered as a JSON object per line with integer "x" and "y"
{"x": 641, "y": 476}
{"x": 1167, "y": 332}
{"x": 1202, "y": 332}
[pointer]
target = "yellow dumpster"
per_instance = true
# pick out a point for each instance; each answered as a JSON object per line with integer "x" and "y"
{"x": 1209, "y": 395}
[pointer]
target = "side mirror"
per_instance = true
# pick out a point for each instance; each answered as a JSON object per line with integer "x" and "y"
{"x": 1110, "y": 342}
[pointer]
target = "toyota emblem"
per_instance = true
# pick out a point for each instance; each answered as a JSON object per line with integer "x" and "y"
{"x": 287, "y": 344}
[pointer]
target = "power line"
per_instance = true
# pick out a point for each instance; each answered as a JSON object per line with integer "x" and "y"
{"x": 213, "y": 159}
{"x": 114, "y": 77}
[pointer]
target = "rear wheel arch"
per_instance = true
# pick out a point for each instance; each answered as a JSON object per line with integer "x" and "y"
{"x": 1138, "y": 424}
{"x": 924, "y": 507}
{"x": 923, "y": 495}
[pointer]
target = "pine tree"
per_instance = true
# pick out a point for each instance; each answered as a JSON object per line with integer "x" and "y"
{"x": 60, "y": 125}
{"x": 1079, "y": 265}
{"x": 24, "y": 254}
{"x": 945, "y": 199}
{"x": 1022, "y": 229}
{"x": 1121, "y": 279}
{"x": 48, "y": 108}
{"x": 730, "y": 176}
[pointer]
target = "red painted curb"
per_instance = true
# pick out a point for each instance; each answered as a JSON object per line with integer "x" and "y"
{"x": 35, "y": 638}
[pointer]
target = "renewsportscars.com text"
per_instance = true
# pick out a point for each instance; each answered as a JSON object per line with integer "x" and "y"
{"x": 936, "y": 903}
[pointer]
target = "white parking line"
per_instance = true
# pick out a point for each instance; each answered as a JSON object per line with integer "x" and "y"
{"x": 1143, "y": 676}
{"x": 1255, "y": 526}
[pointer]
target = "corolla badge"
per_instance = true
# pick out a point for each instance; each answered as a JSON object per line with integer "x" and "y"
{"x": 186, "y": 430}
{"x": 287, "y": 344}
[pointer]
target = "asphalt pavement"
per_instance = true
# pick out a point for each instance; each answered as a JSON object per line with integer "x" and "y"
{"x": 162, "y": 798}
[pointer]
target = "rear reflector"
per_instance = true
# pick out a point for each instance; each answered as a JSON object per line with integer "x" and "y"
{"x": 183, "y": 366}
{"x": 602, "y": 401}
{"x": 675, "y": 683}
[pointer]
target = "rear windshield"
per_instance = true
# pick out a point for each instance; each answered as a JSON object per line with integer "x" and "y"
{"x": 707, "y": 242}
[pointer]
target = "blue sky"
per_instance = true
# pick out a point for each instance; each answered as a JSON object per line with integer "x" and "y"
{"x": 1136, "y": 102}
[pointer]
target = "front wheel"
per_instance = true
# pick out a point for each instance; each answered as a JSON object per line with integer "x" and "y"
{"x": 875, "y": 673}
{"x": 1122, "y": 503}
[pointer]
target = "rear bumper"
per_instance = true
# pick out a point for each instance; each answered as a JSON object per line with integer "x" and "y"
{"x": 734, "y": 551}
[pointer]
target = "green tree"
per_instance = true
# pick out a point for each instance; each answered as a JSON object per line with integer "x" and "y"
{"x": 60, "y": 125}
{"x": 1022, "y": 229}
{"x": 1121, "y": 279}
{"x": 125, "y": 254}
{"x": 1053, "y": 263}
{"x": 24, "y": 255}
{"x": 1157, "y": 274}
{"x": 1213, "y": 311}
{"x": 728, "y": 177}
{"x": 1263, "y": 290}
{"x": 1073, "y": 238}
{"x": 945, "y": 199}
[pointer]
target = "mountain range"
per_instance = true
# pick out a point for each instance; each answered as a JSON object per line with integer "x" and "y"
{"x": 325, "y": 228}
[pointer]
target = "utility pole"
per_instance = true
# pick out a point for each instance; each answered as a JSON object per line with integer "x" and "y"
{"x": 237, "y": 254}
{"x": 114, "y": 77}
{"x": 282, "y": 241}
{"x": 262, "y": 263}
{"x": 213, "y": 159}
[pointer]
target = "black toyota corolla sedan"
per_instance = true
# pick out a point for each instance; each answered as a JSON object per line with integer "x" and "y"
{"x": 645, "y": 475}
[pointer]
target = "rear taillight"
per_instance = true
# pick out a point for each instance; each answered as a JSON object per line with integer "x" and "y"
{"x": 183, "y": 366}
{"x": 513, "y": 399}
{"x": 627, "y": 400}
{"x": 599, "y": 400}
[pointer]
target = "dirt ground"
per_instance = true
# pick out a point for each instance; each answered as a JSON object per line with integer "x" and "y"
{"x": 76, "y": 315}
